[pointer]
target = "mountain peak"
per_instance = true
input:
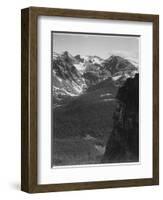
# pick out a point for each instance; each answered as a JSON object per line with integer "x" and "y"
{"x": 115, "y": 57}
{"x": 117, "y": 63}
{"x": 81, "y": 72}
{"x": 66, "y": 54}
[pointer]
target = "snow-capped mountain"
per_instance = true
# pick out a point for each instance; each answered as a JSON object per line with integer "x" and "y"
{"x": 67, "y": 80}
{"x": 73, "y": 75}
{"x": 117, "y": 64}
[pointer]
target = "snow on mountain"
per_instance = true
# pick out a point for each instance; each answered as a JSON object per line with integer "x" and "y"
{"x": 133, "y": 61}
{"x": 73, "y": 75}
{"x": 92, "y": 59}
{"x": 55, "y": 55}
{"x": 126, "y": 55}
{"x": 115, "y": 78}
{"x": 80, "y": 67}
{"x": 67, "y": 79}
{"x": 62, "y": 91}
{"x": 96, "y": 60}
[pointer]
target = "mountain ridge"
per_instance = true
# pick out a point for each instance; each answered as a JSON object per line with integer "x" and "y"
{"x": 74, "y": 75}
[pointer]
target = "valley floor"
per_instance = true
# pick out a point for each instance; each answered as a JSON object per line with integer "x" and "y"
{"x": 82, "y": 128}
{"x": 78, "y": 151}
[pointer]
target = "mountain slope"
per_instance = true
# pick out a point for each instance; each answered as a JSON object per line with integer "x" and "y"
{"x": 72, "y": 76}
{"x": 67, "y": 80}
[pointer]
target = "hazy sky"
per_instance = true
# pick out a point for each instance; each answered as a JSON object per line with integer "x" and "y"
{"x": 100, "y": 45}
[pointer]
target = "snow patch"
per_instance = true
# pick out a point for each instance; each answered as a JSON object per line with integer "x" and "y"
{"x": 100, "y": 149}
{"x": 80, "y": 67}
{"x": 77, "y": 88}
{"x": 96, "y": 61}
{"x": 106, "y": 100}
{"x": 89, "y": 137}
{"x": 115, "y": 78}
{"x": 62, "y": 91}
{"x": 104, "y": 95}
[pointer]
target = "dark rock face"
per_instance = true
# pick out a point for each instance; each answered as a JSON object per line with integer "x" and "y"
{"x": 116, "y": 64}
{"x": 123, "y": 143}
{"x": 79, "y": 59}
{"x": 67, "y": 80}
{"x": 64, "y": 68}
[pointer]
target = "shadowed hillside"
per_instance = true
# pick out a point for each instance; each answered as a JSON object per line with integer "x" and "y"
{"x": 123, "y": 143}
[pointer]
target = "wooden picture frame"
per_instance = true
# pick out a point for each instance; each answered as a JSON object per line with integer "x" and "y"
{"x": 29, "y": 112}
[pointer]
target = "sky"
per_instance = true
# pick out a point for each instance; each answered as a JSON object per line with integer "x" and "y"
{"x": 99, "y": 45}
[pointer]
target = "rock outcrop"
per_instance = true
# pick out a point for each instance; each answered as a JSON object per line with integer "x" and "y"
{"x": 123, "y": 143}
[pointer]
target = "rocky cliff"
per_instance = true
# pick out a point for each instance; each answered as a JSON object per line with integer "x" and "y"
{"x": 123, "y": 143}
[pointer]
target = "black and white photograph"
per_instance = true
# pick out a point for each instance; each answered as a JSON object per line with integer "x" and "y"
{"x": 94, "y": 98}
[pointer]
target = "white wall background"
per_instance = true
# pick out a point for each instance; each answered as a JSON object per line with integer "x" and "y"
{"x": 10, "y": 98}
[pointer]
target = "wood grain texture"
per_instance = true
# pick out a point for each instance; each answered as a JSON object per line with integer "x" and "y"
{"x": 24, "y": 100}
{"x": 29, "y": 99}
{"x": 91, "y": 14}
{"x": 156, "y": 100}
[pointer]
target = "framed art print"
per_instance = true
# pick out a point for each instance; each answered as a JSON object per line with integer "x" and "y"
{"x": 90, "y": 99}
